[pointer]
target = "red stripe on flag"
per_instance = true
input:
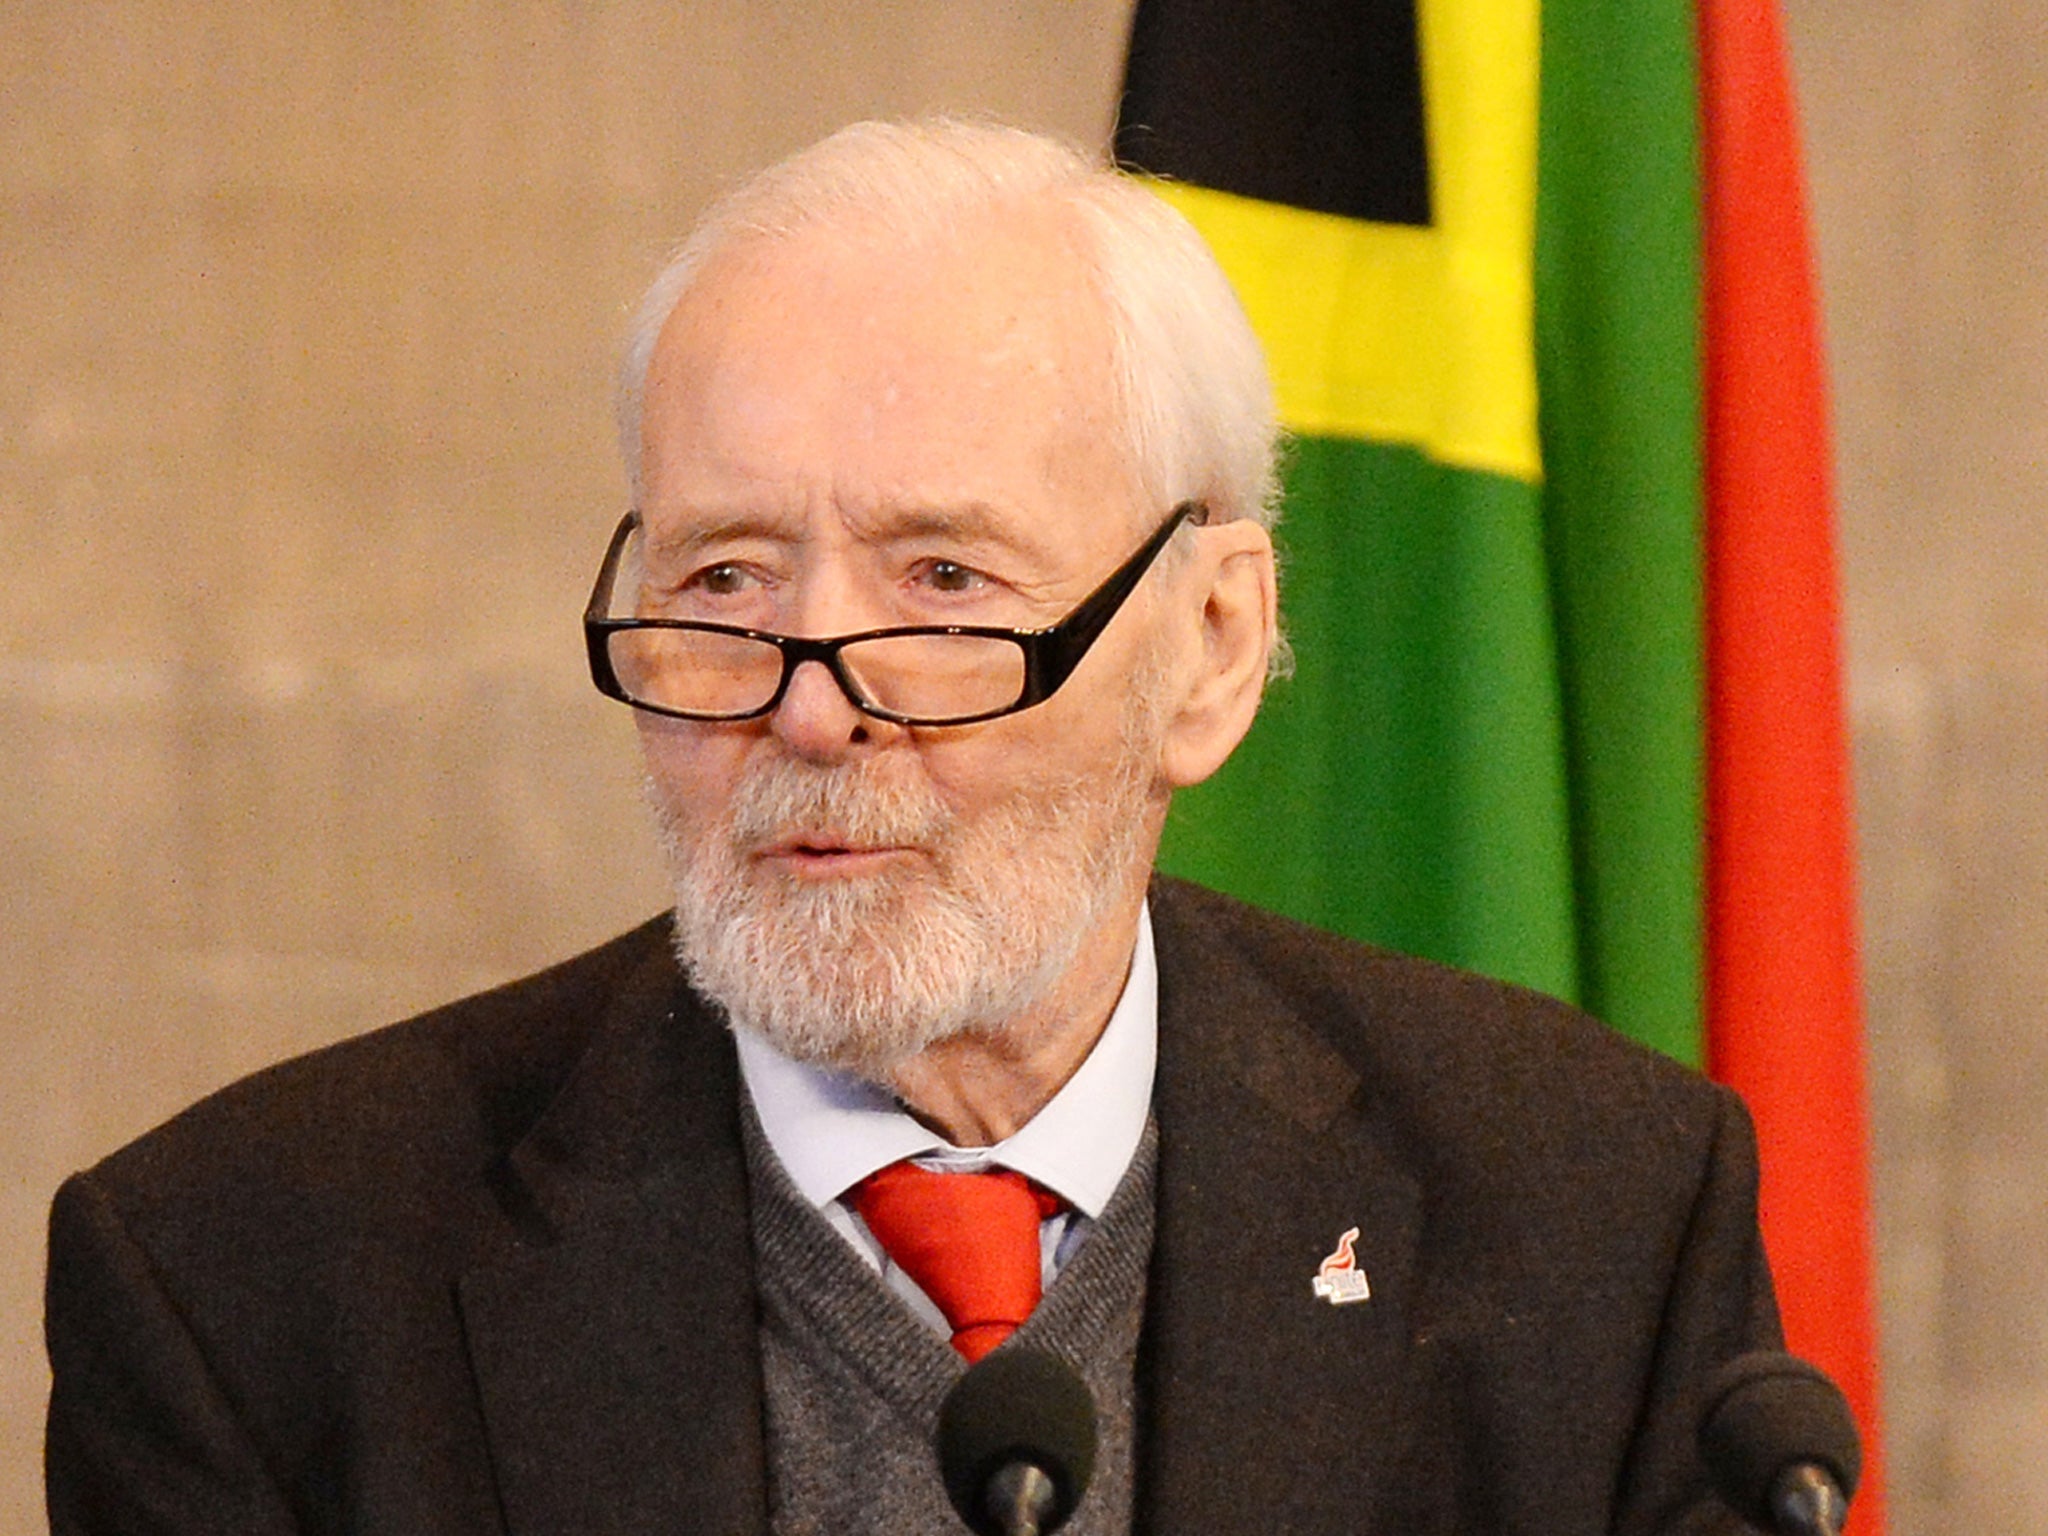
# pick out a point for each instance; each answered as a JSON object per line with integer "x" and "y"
{"x": 1783, "y": 1025}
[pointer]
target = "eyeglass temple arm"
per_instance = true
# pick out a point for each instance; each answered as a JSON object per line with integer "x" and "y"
{"x": 1051, "y": 661}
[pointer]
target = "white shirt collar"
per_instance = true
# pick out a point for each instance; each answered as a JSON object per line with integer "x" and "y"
{"x": 832, "y": 1130}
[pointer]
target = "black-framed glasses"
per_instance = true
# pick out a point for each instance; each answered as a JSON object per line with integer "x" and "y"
{"x": 916, "y": 674}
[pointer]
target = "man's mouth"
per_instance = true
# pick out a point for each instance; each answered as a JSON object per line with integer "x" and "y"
{"x": 823, "y": 854}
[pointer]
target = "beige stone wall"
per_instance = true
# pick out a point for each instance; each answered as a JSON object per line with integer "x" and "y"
{"x": 1927, "y": 126}
{"x": 304, "y": 464}
{"x": 307, "y": 318}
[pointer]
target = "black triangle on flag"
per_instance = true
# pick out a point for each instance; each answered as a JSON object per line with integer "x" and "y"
{"x": 1313, "y": 103}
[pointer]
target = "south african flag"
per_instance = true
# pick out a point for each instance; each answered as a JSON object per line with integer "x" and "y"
{"x": 1558, "y": 566}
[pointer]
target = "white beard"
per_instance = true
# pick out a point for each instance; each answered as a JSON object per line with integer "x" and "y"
{"x": 864, "y": 972}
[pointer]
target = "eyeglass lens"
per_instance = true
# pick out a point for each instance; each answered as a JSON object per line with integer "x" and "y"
{"x": 929, "y": 677}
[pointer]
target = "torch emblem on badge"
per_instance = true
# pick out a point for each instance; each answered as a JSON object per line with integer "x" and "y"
{"x": 1338, "y": 1278}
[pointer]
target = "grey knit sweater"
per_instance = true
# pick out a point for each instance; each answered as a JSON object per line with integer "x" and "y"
{"x": 854, "y": 1380}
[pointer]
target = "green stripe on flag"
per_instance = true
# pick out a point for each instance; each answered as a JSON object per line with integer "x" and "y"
{"x": 1491, "y": 751}
{"x": 1407, "y": 785}
{"x": 1617, "y": 304}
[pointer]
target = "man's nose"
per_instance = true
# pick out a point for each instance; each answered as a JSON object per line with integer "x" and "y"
{"x": 816, "y": 718}
{"x": 817, "y": 721}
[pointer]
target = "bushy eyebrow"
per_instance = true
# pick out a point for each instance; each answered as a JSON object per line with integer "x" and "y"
{"x": 967, "y": 523}
{"x": 973, "y": 521}
{"x": 720, "y": 528}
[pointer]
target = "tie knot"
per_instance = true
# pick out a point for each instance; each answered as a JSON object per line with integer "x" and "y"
{"x": 969, "y": 1240}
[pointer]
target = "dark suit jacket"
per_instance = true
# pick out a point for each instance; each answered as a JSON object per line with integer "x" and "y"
{"x": 490, "y": 1270}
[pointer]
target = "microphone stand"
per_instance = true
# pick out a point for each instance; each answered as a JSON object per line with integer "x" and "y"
{"x": 1019, "y": 1498}
{"x": 1807, "y": 1501}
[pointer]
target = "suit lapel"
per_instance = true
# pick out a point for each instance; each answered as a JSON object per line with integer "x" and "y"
{"x": 615, "y": 1350}
{"x": 1265, "y": 1407}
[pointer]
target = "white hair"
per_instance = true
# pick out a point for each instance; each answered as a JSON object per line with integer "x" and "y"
{"x": 1190, "y": 378}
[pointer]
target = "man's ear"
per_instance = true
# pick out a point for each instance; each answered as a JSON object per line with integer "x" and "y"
{"x": 1223, "y": 671}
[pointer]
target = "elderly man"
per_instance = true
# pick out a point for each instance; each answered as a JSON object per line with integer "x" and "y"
{"x": 952, "y": 456}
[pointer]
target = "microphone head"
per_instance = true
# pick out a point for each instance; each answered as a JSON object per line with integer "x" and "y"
{"x": 1767, "y": 1411}
{"x": 1016, "y": 1407}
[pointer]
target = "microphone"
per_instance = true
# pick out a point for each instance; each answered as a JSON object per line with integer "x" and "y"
{"x": 1017, "y": 1443}
{"x": 1780, "y": 1444}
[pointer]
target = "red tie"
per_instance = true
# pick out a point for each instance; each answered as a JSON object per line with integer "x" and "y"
{"x": 970, "y": 1241}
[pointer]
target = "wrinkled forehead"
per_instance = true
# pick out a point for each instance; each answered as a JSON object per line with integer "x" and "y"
{"x": 869, "y": 346}
{"x": 1010, "y": 286}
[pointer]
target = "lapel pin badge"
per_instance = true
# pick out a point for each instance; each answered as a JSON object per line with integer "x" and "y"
{"x": 1338, "y": 1278}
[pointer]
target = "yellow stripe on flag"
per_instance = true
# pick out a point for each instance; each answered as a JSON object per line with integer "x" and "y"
{"x": 1399, "y": 333}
